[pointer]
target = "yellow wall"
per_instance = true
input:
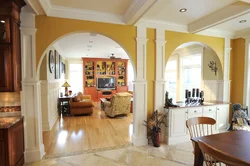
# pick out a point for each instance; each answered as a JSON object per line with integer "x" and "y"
{"x": 49, "y": 29}
{"x": 151, "y": 54}
{"x": 175, "y": 39}
{"x": 237, "y": 70}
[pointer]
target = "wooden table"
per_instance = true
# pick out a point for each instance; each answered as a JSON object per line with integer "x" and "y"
{"x": 63, "y": 105}
{"x": 234, "y": 143}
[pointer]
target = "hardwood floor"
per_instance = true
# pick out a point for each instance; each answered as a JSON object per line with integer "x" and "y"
{"x": 75, "y": 134}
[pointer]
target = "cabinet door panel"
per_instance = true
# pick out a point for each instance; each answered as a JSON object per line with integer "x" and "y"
{"x": 178, "y": 122}
{"x": 5, "y": 69}
{"x": 194, "y": 112}
{"x": 223, "y": 115}
{"x": 16, "y": 55}
{"x": 2, "y": 154}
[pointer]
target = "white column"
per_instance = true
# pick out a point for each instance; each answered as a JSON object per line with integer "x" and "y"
{"x": 226, "y": 82}
{"x": 31, "y": 108}
{"x": 246, "y": 90}
{"x": 160, "y": 70}
{"x": 140, "y": 91}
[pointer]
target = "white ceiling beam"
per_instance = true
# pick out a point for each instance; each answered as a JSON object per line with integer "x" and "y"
{"x": 230, "y": 12}
{"x": 247, "y": 1}
{"x": 36, "y": 6}
{"x": 136, "y": 10}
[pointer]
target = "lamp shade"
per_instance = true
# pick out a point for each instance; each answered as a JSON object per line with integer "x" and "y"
{"x": 65, "y": 85}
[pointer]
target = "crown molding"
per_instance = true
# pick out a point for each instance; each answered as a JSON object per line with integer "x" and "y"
{"x": 36, "y": 7}
{"x": 225, "y": 14}
{"x": 157, "y": 24}
{"x": 217, "y": 33}
{"x": 242, "y": 34}
{"x": 136, "y": 10}
{"x": 79, "y": 14}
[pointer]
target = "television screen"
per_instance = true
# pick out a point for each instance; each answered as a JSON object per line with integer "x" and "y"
{"x": 106, "y": 83}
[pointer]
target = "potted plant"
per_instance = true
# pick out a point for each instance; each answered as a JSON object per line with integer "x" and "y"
{"x": 154, "y": 125}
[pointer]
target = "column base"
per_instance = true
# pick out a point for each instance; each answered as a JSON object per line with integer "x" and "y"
{"x": 139, "y": 141}
{"x": 34, "y": 155}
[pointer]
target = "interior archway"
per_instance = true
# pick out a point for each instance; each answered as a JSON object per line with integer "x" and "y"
{"x": 194, "y": 65}
{"x": 69, "y": 42}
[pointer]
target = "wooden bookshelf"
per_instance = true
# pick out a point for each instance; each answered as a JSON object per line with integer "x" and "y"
{"x": 94, "y": 68}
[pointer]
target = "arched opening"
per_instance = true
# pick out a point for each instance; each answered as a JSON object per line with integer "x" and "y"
{"x": 71, "y": 48}
{"x": 194, "y": 65}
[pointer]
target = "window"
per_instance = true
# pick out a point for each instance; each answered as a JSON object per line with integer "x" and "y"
{"x": 182, "y": 73}
{"x": 191, "y": 73}
{"x": 171, "y": 77}
{"x": 76, "y": 78}
{"x": 130, "y": 76}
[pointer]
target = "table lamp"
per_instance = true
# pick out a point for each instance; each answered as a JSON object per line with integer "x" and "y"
{"x": 66, "y": 85}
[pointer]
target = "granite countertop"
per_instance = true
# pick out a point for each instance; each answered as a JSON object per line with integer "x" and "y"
{"x": 207, "y": 103}
{"x": 6, "y": 122}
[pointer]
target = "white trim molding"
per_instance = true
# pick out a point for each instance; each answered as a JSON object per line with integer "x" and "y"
{"x": 160, "y": 70}
{"x": 30, "y": 95}
{"x": 72, "y": 13}
{"x": 140, "y": 114}
{"x": 140, "y": 91}
{"x": 226, "y": 71}
{"x": 246, "y": 91}
{"x": 136, "y": 10}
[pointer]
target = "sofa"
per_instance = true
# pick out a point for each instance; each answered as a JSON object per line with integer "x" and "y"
{"x": 81, "y": 104}
{"x": 119, "y": 104}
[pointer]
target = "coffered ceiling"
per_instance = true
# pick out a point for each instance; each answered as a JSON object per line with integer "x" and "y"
{"x": 208, "y": 17}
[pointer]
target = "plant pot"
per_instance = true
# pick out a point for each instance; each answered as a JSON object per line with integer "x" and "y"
{"x": 156, "y": 138}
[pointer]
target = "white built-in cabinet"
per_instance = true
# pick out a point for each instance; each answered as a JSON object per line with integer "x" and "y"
{"x": 176, "y": 131}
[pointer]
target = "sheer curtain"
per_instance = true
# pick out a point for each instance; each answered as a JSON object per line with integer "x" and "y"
{"x": 76, "y": 78}
{"x": 130, "y": 76}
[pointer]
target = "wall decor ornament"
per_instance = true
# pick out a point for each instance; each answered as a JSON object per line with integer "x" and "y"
{"x": 212, "y": 66}
{"x": 51, "y": 61}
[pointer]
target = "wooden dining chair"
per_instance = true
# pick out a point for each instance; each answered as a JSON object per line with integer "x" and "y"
{"x": 214, "y": 157}
{"x": 200, "y": 126}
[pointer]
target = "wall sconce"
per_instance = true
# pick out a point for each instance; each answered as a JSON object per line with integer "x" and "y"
{"x": 212, "y": 66}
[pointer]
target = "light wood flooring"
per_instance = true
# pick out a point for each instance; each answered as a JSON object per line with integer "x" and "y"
{"x": 76, "y": 134}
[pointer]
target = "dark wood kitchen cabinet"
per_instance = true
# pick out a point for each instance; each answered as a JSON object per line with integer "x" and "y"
{"x": 10, "y": 46}
{"x": 11, "y": 141}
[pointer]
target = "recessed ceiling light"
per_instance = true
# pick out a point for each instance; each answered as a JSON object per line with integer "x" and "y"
{"x": 2, "y": 21}
{"x": 242, "y": 21}
{"x": 88, "y": 49}
{"x": 91, "y": 42}
{"x": 183, "y": 10}
{"x": 89, "y": 46}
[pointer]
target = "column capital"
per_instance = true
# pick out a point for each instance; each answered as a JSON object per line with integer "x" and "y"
{"x": 30, "y": 31}
{"x": 141, "y": 40}
{"x": 247, "y": 38}
{"x": 160, "y": 42}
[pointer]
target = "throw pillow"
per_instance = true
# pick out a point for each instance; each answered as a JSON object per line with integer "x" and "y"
{"x": 76, "y": 99}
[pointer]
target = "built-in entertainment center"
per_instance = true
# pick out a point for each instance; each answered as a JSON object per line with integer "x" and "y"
{"x": 103, "y": 77}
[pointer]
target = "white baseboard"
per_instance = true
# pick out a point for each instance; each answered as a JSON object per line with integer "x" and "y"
{"x": 139, "y": 141}
{"x": 34, "y": 155}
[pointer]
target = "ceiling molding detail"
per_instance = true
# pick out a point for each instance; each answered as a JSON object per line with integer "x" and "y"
{"x": 227, "y": 13}
{"x": 136, "y": 10}
{"x": 36, "y": 7}
{"x": 72, "y": 13}
{"x": 158, "y": 24}
{"x": 46, "y": 5}
{"x": 181, "y": 28}
{"x": 247, "y": 1}
{"x": 242, "y": 34}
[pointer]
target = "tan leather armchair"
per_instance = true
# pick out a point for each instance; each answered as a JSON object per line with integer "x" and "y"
{"x": 118, "y": 105}
{"x": 81, "y": 104}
